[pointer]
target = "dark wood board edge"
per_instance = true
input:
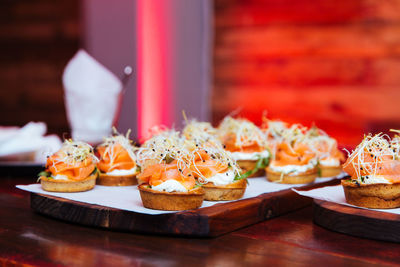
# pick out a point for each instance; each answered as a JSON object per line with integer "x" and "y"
{"x": 357, "y": 222}
{"x": 210, "y": 221}
{"x": 250, "y": 211}
{"x": 260, "y": 208}
{"x": 122, "y": 220}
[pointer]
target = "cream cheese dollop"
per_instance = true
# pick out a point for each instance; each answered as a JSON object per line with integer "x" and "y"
{"x": 117, "y": 172}
{"x": 293, "y": 169}
{"x": 170, "y": 186}
{"x": 222, "y": 178}
{"x": 250, "y": 156}
{"x": 329, "y": 162}
{"x": 60, "y": 177}
{"x": 373, "y": 179}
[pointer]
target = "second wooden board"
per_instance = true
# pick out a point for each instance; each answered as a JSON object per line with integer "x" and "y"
{"x": 357, "y": 222}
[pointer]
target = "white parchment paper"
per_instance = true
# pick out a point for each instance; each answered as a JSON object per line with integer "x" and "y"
{"x": 128, "y": 197}
{"x": 336, "y": 194}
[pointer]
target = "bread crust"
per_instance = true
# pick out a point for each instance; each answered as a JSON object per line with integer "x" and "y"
{"x": 158, "y": 200}
{"x": 117, "y": 180}
{"x": 374, "y": 196}
{"x": 301, "y": 178}
{"x": 248, "y": 165}
{"x": 329, "y": 171}
{"x": 230, "y": 191}
{"x": 68, "y": 186}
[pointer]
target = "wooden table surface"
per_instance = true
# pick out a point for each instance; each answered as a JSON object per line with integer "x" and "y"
{"x": 31, "y": 239}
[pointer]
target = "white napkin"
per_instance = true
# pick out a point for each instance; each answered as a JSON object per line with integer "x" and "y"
{"x": 336, "y": 194}
{"x": 91, "y": 97}
{"x": 27, "y": 143}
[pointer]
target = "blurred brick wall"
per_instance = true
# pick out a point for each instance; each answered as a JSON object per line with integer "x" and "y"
{"x": 332, "y": 62}
{"x": 37, "y": 38}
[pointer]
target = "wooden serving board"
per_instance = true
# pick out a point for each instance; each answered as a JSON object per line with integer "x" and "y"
{"x": 357, "y": 222}
{"x": 209, "y": 221}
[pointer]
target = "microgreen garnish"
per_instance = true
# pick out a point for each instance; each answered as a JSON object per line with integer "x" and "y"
{"x": 262, "y": 163}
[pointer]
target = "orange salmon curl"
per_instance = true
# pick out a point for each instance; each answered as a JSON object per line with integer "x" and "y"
{"x": 327, "y": 150}
{"x": 248, "y": 146}
{"x": 158, "y": 173}
{"x": 114, "y": 157}
{"x": 204, "y": 165}
{"x": 298, "y": 154}
{"x": 369, "y": 164}
{"x": 61, "y": 163}
{"x": 376, "y": 155}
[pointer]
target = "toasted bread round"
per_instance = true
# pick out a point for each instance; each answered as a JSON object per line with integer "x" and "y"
{"x": 231, "y": 191}
{"x": 301, "y": 178}
{"x": 68, "y": 186}
{"x": 329, "y": 171}
{"x": 248, "y": 165}
{"x": 116, "y": 180}
{"x": 158, "y": 200}
{"x": 374, "y": 196}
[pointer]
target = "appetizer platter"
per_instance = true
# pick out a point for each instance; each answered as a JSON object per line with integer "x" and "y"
{"x": 367, "y": 203}
{"x": 203, "y": 181}
{"x": 212, "y": 219}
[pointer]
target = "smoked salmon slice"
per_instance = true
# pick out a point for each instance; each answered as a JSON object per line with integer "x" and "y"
{"x": 75, "y": 166}
{"x": 114, "y": 157}
{"x": 375, "y": 156}
{"x": 241, "y": 135}
{"x": 159, "y": 173}
{"x": 298, "y": 154}
{"x": 204, "y": 166}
